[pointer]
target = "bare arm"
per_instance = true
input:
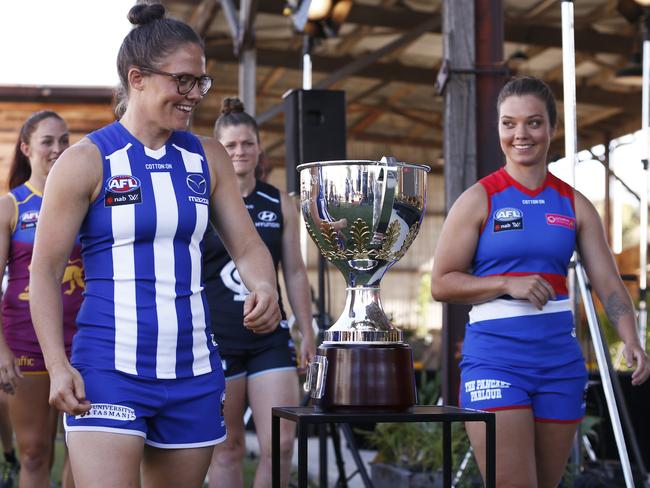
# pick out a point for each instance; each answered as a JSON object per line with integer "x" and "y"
{"x": 605, "y": 279}
{"x": 451, "y": 280}
{"x": 243, "y": 243}
{"x": 64, "y": 208}
{"x": 295, "y": 278}
{"x": 9, "y": 370}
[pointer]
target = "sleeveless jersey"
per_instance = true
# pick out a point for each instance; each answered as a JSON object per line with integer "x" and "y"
{"x": 527, "y": 232}
{"x": 145, "y": 311}
{"x": 17, "y": 323}
{"x": 225, "y": 290}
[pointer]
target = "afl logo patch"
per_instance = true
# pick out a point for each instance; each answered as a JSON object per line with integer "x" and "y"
{"x": 196, "y": 182}
{"x": 267, "y": 216}
{"x": 122, "y": 184}
{"x": 508, "y": 218}
{"x": 122, "y": 190}
{"x": 28, "y": 219}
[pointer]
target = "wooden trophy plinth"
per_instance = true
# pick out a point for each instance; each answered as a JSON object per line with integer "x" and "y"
{"x": 367, "y": 376}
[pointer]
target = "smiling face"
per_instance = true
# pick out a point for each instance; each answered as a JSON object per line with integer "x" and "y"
{"x": 524, "y": 130}
{"x": 242, "y": 146}
{"x": 171, "y": 110}
{"x": 49, "y": 139}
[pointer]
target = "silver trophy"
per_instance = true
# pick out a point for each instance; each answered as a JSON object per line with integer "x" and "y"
{"x": 363, "y": 216}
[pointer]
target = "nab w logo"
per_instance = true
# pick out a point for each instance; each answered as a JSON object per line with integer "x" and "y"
{"x": 196, "y": 182}
{"x": 267, "y": 216}
{"x": 122, "y": 184}
{"x": 508, "y": 218}
{"x": 507, "y": 214}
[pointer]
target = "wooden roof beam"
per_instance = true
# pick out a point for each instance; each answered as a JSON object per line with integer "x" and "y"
{"x": 56, "y": 94}
{"x": 203, "y": 15}
{"x": 404, "y": 19}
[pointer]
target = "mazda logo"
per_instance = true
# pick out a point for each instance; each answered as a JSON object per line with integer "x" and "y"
{"x": 196, "y": 183}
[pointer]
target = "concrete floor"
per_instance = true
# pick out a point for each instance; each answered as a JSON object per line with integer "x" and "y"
{"x": 314, "y": 461}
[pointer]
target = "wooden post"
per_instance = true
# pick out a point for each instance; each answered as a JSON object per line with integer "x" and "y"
{"x": 460, "y": 159}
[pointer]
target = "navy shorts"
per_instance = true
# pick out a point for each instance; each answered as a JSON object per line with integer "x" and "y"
{"x": 554, "y": 394}
{"x": 168, "y": 413}
{"x": 239, "y": 363}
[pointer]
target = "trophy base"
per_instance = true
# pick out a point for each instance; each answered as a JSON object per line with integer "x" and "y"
{"x": 367, "y": 376}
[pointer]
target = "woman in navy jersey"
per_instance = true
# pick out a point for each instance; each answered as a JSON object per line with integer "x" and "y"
{"x": 43, "y": 137}
{"x": 144, "y": 389}
{"x": 519, "y": 228}
{"x": 260, "y": 369}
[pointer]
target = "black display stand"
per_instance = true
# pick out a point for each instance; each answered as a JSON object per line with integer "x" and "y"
{"x": 303, "y": 416}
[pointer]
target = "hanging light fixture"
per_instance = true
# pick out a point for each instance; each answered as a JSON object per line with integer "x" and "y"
{"x": 323, "y": 17}
{"x": 319, "y": 9}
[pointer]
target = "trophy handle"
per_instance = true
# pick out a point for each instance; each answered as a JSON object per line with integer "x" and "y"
{"x": 387, "y": 182}
{"x": 315, "y": 381}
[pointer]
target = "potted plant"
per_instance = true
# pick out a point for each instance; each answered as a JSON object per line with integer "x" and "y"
{"x": 409, "y": 454}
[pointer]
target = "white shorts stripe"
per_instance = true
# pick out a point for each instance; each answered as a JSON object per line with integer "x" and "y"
{"x": 200, "y": 349}
{"x": 504, "y": 309}
{"x": 123, "y": 227}
{"x": 186, "y": 446}
{"x": 163, "y": 255}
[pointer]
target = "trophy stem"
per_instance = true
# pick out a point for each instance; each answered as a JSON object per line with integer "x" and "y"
{"x": 363, "y": 319}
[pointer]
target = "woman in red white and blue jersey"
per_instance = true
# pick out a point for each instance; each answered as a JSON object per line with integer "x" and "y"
{"x": 505, "y": 248}
{"x": 143, "y": 392}
{"x": 43, "y": 137}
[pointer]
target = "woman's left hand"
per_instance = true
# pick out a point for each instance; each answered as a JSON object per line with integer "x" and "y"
{"x": 635, "y": 354}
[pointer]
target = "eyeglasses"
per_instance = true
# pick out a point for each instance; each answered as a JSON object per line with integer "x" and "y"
{"x": 185, "y": 81}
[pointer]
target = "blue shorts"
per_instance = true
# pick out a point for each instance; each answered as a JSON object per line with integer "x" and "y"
{"x": 169, "y": 413}
{"x": 554, "y": 394}
{"x": 252, "y": 362}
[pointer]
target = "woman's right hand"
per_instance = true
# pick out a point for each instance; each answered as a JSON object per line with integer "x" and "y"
{"x": 9, "y": 370}
{"x": 533, "y": 288}
{"x": 67, "y": 390}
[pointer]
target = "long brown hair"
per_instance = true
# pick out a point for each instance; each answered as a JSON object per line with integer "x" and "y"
{"x": 20, "y": 169}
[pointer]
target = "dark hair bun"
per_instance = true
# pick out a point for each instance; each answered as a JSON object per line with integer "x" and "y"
{"x": 231, "y": 105}
{"x": 144, "y": 13}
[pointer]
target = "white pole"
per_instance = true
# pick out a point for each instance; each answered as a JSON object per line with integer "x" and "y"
{"x": 306, "y": 85}
{"x": 569, "y": 82}
{"x": 603, "y": 366}
{"x": 643, "y": 213}
{"x": 570, "y": 144}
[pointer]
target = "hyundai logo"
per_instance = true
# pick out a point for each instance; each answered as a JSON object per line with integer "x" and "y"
{"x": 267, "y": 216}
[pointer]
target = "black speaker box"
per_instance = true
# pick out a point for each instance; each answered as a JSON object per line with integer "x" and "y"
{"x": 314, "y": 129}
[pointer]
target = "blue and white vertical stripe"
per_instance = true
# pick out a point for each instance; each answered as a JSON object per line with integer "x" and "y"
{"x": 144, "y": 311}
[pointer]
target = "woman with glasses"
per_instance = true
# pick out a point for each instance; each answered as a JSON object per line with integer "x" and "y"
{"x": 144, "y": 390}
{"x": 260, "y": 369}
{"x": 23, "y": 375}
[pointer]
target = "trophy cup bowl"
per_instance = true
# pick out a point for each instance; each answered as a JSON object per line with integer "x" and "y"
{"x": 363, "y": 216}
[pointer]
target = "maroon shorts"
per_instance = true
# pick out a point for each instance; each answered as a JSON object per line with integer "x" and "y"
{"x": 30, "y": 362}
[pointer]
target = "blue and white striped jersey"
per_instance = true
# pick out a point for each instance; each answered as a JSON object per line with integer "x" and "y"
{"x": 145, "y": 311}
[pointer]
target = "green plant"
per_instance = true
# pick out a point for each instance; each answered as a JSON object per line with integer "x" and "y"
{"x": 417, "y": 446}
